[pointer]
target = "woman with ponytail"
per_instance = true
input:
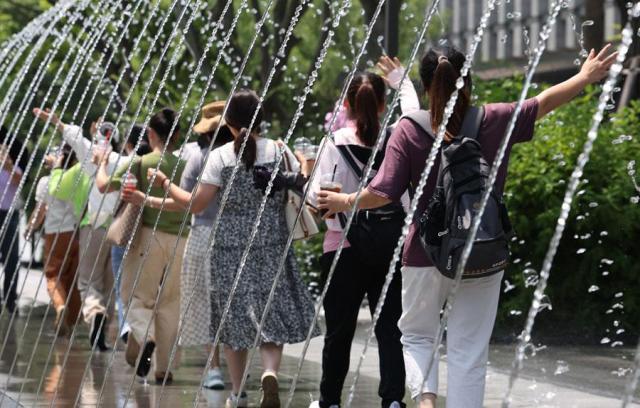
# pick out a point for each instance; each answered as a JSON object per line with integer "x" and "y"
{"x": 291, "y": 312}
{"x": 355, "y": 276}
{"x": 425, "y": 289}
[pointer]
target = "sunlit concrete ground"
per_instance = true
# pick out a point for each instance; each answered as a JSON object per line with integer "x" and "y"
{"x": 595, "y": 378}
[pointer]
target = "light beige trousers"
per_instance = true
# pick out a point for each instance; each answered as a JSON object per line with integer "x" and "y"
{"x": 153, "y": 268}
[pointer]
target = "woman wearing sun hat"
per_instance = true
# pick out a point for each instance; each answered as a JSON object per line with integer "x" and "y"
{"x": 195, "y": 308}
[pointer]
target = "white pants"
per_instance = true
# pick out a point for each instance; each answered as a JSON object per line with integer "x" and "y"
{"x": 95, "y": 278}
{"x": 424, "y": 291}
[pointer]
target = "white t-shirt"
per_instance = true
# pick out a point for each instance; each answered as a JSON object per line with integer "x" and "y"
{"x": 225, "y": 156}
{"x": 106, "y": 203}
{"x": 60, "y": 216}
{"x": 332, "y": 158}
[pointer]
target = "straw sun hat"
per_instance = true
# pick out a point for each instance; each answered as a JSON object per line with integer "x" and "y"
{"x": 211, "y": 117}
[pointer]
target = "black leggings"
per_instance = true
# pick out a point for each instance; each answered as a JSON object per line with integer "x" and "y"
{"x": 9, "y": 257}
{"x": 351, "y": 282}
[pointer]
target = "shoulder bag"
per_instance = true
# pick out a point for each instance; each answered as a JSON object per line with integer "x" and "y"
{"x": 123, "y": 226}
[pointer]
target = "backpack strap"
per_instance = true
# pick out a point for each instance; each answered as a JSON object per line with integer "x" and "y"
{"x": 422, "y": 118}
{"x": 472, "y": 122}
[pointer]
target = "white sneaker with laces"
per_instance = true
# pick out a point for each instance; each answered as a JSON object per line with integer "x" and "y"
{"x": 214, "y": 380}
{"x": 242, "y": 400}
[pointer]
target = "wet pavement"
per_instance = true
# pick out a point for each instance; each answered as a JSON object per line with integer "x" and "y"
{"x": 555, "y": 377}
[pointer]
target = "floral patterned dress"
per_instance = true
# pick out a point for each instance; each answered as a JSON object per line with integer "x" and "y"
{"x": 291, "y": 312}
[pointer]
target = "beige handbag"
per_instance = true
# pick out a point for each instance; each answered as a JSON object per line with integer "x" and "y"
{"x": 123, "y": 226}
{"x": 306, "y": 225}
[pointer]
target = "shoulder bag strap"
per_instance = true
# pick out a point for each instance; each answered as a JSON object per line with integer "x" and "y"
{"x": 346, "y": 155}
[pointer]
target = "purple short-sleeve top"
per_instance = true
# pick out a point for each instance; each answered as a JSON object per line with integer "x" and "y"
{"x": 407, "y": 153}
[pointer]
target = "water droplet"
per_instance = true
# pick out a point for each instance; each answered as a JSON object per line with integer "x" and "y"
{"x": 508, "y": 286}
{"x": 561, "y": 367}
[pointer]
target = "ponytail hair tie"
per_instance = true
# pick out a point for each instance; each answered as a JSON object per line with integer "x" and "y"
{"x": 442, "y": 58}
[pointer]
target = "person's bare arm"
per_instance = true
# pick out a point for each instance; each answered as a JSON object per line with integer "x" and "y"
{"x": 47, "y": 114}
{"x": 341, "y": 202}
{"x": 594, "y": 69}
{"x": 202, "y": 195}
{"x": 102, "y": 179}
{"x": 36, "y": 220}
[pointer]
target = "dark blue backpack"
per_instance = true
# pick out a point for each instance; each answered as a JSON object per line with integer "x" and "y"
{"x": 462, "y": 180}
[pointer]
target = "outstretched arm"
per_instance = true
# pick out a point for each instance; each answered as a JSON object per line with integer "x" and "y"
{"x": 392, "y": 72}
{"x": 594, "y": 69}
{"x": 181, "y": 198}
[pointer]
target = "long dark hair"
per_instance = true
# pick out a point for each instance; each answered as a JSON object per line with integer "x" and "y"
{"x": 162, "y": 122}
{"x": 366, "y": 96}
{"x": 439, "y": 70}
{"x": 68, "y": 157}
{"x": 224, "y": 136}
{"x": 240, "y": 111}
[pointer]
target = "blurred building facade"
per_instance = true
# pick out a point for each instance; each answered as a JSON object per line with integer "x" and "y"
{"x": 514, "y": 29}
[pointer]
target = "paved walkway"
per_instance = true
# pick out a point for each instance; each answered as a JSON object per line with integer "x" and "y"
{"x": 587, "y": 378}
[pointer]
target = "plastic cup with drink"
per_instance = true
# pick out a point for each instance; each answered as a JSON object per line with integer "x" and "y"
{"x": 328, "y": 183}
{"x": 301, "y": 144}
{"x": 130, "y": 183}
{"x": 105, "y": 133}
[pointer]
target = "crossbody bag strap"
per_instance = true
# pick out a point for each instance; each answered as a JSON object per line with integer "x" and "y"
{"x": 345, "y": 152}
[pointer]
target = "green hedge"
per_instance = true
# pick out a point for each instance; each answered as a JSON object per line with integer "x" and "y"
{"x": 593, "y": 288}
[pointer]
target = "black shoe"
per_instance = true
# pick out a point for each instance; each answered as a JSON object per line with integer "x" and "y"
{"x": 97, "y": 332}
{"x": 144, "y": 365}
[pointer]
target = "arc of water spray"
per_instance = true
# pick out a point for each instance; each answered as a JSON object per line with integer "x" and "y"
{"x": 39, "y": 205}
{"x": 121, "y": 76}
{"x": 102, "y": 243}
{"x": 464, "y": 72}
{"x": 181, "y": 150}
{"x": 572, "y": 186}
{"x": 23, "y": 109}
{"x": 30, "y": 95}
{"x": 65, "y": 86}
{"x": 76, "y": 182}
{"x": 329, "y": 134}
{"x": 21, "y": 40}
{"x": 292, "y": 24}
{"x": 301, "y": 101}
{"x": 12, "y": 243}
{"x": 173, "y": 61}
{"x": 62, "y": 10}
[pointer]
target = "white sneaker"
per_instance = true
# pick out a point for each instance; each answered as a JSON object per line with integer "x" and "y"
{"x": 214, "y": 380}
{"x": 316, "y": 404}
{"x": 242, "y": 400}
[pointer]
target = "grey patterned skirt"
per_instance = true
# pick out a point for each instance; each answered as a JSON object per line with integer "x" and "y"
{"x": 195, "y": 308}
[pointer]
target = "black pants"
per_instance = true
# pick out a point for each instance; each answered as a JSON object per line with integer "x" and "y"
{"x": 351, "y": 282}
{"x": 9, "y": 256}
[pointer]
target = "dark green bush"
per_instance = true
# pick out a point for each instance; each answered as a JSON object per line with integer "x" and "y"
{"x": 602, "y": 236}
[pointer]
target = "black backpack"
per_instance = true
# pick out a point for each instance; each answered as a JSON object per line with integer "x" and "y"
{"x": 462, "y": 181}
{"x": 374, "y": 233}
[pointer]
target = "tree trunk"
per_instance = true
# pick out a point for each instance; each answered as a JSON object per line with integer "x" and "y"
{"x": 594, "y": 34}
